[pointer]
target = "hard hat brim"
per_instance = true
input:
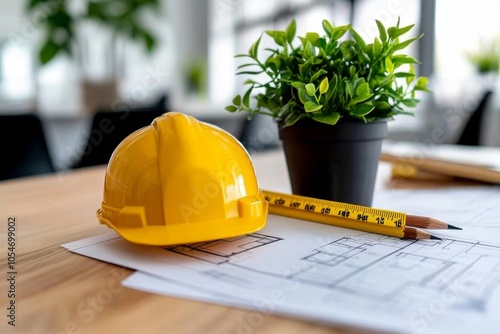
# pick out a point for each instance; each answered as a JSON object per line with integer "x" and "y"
{"x": 174, "y": 234}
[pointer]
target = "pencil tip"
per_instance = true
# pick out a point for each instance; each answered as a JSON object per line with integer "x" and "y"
{"x": 435, "y": 238}
{"x": 451, "y": 227}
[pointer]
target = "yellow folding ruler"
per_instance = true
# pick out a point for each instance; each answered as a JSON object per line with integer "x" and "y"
{"x": 353, "y": 216}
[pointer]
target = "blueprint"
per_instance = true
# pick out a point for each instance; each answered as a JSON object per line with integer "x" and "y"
{"x": 474, "y": 208}
{"x": 337, "y": 275}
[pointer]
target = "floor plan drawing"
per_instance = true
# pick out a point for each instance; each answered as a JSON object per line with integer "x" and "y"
{"x": 380, "y": 270}
{"x": 466, "y": 272}
{"x": 223, "y": 250}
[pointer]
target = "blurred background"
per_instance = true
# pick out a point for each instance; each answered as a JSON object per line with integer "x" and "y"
{"x": 71, "y": 63}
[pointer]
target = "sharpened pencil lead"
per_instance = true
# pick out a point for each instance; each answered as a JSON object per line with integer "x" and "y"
{"x": 435, "y": 238}
{"x": 451, "y": 227}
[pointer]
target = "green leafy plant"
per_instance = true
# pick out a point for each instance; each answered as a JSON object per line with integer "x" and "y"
{"x": 331, "y": 76}
{"x": 59, "y": 23}
{"x": 487, "y": 59}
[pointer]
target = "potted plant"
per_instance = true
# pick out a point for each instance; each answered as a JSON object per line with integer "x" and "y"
{"x": 332, "y": 95}
{"x": 487, "y": 59}
{"x": 91, "y": 33}
{"x": 486, "y": 62}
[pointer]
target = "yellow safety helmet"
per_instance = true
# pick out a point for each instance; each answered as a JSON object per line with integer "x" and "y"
{"x": 178, "y": 181}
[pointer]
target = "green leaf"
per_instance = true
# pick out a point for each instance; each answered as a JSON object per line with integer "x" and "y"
{"x": 357, "y": 100}
{"x": 381, "y": 31}
{"x": 149, "y": 41}
{"x": 363, "y": 90}
{"x": 309, "y": 50}
{"x": 241, "y": 55}
{"x": 410, "y": 102}
{"x": 273, "y": 61}
{"x": 399, "y": 60}
{"x": 327, "y": 27}
{"x": 404, "y": 44}
{"x": 404, "y": 75}
{"x": 358, "y": 38}
{"x": 310, "y": 106}
{"x": 278, "y": 36}
{"x": 317, "y": 61}
{"x": 389, "y": 66}
{"x": 352, "y": 70}
{"x": 237, "y": 100}
{"x": 298, "y": 84}
{"x": 412, "y": 71}
{"x": 250, "y": 82}
{"x": 94, "y": 9}
{"x": 246, "y": 97}
{"x": 287, "y": 108}
{"x": 49, "y": 50}
{"x": 246, "y": 65}
{"x": 290, "y": 31}
{"x": 422, "y": 82}
{"x": 362, "y": 110}
{"x": 349, "y": 88}
{"x": 321, "y": 44}
{"x": 392, "y": 32}
{"x": 253, "y": 51}
{"x": 382, "y": 105}
{"x": 332, "y": 87}
{"x": 231, "y": 108}
{"x": 312, "y": 37}
{"x": 323, "y": 86}
{"x": 250, "y": 72}
{"x": 331, "y": 119}
{"x": 377, "y": 47}
{"x": 293, "y": 118}
{"x": 338, "y": 32}
{"x": 311, "y": 89}
{"x": 369, "y": 51}
{"x": 316, "y": 75}
{"x": 303, "y": 96}
{"x": 402, "y": 31}
{"x": 304, "y": 68}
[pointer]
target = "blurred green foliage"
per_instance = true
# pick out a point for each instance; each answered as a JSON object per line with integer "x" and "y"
{"x": 59, "y": 23}
{"x": 487, "y": 59}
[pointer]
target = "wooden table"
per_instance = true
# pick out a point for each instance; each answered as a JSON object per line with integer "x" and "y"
{"x": 61, "y": 292}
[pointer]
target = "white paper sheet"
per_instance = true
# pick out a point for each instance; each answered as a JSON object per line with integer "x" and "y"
{"x": 475, "y": 208}
{"x": 341, "y": 276}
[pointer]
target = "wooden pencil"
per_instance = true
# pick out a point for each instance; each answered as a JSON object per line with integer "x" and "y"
{"x": 428, "y": 222}
{"x": 447, "y": 168}
{"x": 415, "y": 233}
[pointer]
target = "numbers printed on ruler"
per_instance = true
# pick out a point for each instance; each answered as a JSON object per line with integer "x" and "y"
{"x": 337, "y": 209}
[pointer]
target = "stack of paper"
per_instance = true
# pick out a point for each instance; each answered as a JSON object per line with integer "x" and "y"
{"x": 469, "y": 162}
{"x": 335, "y": 275}
{"x": 340, "y": 276}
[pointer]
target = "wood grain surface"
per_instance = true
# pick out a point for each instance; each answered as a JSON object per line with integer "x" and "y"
{"x": 61, "y": 292}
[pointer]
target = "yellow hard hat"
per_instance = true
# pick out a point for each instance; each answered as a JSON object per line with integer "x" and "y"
{"x": 178, "y": 181}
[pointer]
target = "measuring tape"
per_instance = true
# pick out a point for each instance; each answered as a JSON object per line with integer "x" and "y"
{"x": 353, "y": 216}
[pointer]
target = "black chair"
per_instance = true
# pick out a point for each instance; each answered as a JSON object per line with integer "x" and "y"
{"x": 472, "y": 130}
{"x": 108, "y": 129}
{"x": 23, "y": 147}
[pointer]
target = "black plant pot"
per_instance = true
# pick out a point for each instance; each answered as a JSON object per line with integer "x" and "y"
{"x": 334, "y": 162}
